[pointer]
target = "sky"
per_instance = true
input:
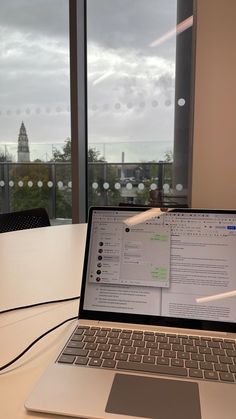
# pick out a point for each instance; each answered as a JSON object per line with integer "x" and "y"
{"x": 130, "y": 81}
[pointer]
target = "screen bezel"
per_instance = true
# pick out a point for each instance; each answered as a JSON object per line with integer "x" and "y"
{"x": 146, "y": 319}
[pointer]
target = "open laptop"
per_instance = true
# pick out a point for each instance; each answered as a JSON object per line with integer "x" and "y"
{"x": 156, "y": 333}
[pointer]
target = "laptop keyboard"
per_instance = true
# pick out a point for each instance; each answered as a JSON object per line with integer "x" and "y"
{"x": 169, "y": 354}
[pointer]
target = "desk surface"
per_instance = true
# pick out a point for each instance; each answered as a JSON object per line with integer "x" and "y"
{"x": 36, "y": 265}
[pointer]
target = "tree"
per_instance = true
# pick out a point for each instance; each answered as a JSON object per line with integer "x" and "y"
{"x": 168, "y": 156}
{"x": 99, "y": 172}
{"x": 65, "y": 154}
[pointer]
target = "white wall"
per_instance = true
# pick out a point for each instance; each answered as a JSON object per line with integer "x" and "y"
{"x": 214, "y": 146}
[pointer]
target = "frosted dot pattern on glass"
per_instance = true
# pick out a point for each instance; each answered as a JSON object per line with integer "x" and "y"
{"x": 106, "y": 185}
{"x": 181, "y": 101}
{"x": 129, "y": 186}
{"x": 179, "y": 187}
{"x": 166, "y": 187}
{"x": 117, "y": 185}
{"x": 95, "y": 185}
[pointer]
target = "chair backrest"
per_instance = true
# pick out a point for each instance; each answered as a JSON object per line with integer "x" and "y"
{"x": 22, "y": 220}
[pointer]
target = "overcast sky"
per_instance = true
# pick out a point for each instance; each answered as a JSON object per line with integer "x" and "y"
{"x": 130, "y": 82}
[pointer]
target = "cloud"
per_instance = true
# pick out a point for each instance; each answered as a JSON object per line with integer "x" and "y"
{"x": 36, "y": 17}
{"x": 130, "y": 84}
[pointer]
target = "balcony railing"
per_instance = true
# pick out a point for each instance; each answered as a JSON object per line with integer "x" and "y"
{"x": 37, "y": 184}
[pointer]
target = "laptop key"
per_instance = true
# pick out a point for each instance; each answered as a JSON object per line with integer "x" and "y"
{"x": 223, "y": 368}
{"x": 206, "y": 365}
{"x": 81, "y": 352}
{"x": 91, "y": 346}
{"x": 142, "y": 351}
{"x": 122, "y": 357}
{"x": 95, "y": 354}
{"x": 116, "y": 348}
{"x": 163, "y": 361}
{"x": 225, "y": 360}
{"x": 103, "y": 347}
{"x": 80, "y": 360}
{"x": 108, "y": 355}
{"x": 75, "y": 344}
{"x": 152, "y": 368}
{"x": 191, "y": 364}
{"x": 211, "y": 375}
{"x": 95, "y": 362}
{"x": 197, "y": 357}
{"x": 195, "y": 373}
{"x": 211, "y": 358}
{"x": 126, "y": 342}
{"x": 155, "y": 352}
{"x": 177, "y": 362}
{"x": 183, "y": 355}
{"x": 149, "y": 359}
{"x": 109, "y": 363}
{"x": 232, "y": 368}
{"x": 66, "y": 359}
{"x": 135, "y": 358}
{"x": 227, "y": 376}
{"x": 74, "y": 351}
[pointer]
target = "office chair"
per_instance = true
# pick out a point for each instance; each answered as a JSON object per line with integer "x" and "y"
{"x": 21, "y": 220}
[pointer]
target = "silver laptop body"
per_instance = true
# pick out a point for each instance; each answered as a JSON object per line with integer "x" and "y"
{"x": 157, "y": 320}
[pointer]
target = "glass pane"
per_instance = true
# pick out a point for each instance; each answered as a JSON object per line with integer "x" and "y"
{"x": 131, "y": 58}
{"x": 35, "y": 168}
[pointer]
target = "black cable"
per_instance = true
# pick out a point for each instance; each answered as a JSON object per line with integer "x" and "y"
{"x": 3, "y": 367}
{"x": 39, "y": 304}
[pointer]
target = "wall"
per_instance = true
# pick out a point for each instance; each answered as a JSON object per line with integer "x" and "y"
{"x": 214, "y": 146}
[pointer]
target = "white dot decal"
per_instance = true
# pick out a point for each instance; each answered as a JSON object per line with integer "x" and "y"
{"x": 30, "y": 184}
{"x": 95, "y": 185}
{"x": 154, "y": 103}
{"x": 106, "y": 185}
{"x": 181, "y": 101}
{"x": 40, "y": 184}
{"x": 20, "y": 183}
{"x": 129, "y": 186}
{"x": 179, "y": 187}
{"x": 11, "y": 183}
{"x": 141, "y": 186}
{"x": 70, "y": 184}
{"x": 153, "y": 187}
{"x": 166, "y": 187}
{"x": 117, "y": 185}
{"x": 60, "y": 184}
{"x": 2, "y": 183}
{"x": 50, "y": 184}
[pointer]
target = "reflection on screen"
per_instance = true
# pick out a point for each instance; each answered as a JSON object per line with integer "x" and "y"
{"x": 162, "y": 265}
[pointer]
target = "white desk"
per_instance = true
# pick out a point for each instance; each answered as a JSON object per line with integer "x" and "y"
{"x": 35, "y": 265}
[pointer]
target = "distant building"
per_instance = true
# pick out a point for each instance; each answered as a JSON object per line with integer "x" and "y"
{"x": 23, "y": 154}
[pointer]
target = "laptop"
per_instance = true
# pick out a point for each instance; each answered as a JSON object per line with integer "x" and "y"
{"x": 156, "y": 332}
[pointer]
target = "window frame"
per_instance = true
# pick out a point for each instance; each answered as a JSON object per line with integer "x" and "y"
{"x": 183, "y": 132}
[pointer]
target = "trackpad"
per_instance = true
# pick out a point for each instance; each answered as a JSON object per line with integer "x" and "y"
{"x": 153, "y": 398}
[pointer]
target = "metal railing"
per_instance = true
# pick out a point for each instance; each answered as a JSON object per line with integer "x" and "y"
{"x": 37, "y": 184}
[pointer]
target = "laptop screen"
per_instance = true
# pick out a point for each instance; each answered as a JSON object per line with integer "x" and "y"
{"x": 178, "y": 264}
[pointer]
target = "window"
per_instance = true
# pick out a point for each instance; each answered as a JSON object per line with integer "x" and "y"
{"x": 35, "y": 168}
{"x": 138, "y": 58}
